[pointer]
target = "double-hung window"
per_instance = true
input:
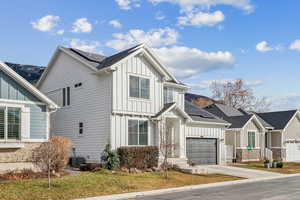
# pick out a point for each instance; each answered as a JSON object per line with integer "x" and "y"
{"x": 168, "y": 95}
{"x": 139, "y": 87}
{"x": 10, "y": 123}
{"x": 251, "y": 139}
{"x": 137, "y": 132}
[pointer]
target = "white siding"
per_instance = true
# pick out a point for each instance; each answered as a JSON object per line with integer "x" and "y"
{"x": 90, "y": 104}
{"x": 119, "y": 130}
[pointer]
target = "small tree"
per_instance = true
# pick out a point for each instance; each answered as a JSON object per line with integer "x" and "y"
{"x": 52, "y": 156}
{"x": 166, "y": 146}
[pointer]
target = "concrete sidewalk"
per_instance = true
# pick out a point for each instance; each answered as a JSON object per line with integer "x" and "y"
{"x": 240, "y": 172}
{"x": 185, "y": 188}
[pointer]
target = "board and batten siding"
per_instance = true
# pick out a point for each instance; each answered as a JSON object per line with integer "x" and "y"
{"x": 139, "y": 66}
{"x": 90, "y": 104}
{"x": 259, "y": 137}
{"x": 292, "y": 131}
{"x": 16, "y": 93}
{"x": 119, "y": 130}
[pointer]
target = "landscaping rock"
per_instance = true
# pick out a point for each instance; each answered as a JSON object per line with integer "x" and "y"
{"x": 149, "y": 170}
{"x": 155, "y": 169}
{"x": 126, "y": 170}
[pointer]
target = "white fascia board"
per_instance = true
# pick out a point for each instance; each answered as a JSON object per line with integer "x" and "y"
{"x": 210, "y": 123}
{"x": 185, "y": 87}
{"x": 10, "y": 72}
{"x": 255, "y": 118}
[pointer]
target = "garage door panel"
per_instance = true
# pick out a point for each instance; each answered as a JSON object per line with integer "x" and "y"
{"x": 202, "y": 151}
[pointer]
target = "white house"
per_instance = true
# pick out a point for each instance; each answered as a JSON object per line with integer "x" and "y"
{"x": 122, "y": 100}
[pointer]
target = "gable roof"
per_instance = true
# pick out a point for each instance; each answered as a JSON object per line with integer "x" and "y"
{"x": 24, "y": 83}
{"x": 31, "y": 73}
{"x": 100, "y": 63}
{"x": 278, "y": 120}
{"x": 168, "y": 107}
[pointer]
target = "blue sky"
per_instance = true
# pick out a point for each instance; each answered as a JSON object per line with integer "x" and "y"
{"x": 198, "y": 40}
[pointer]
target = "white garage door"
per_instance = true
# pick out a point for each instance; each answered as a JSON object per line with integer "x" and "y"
{"x": 293, "y": 152}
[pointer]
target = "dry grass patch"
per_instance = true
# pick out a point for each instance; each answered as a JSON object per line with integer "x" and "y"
{"x": 288, "y": 167}
{"x": 100, "y": 183}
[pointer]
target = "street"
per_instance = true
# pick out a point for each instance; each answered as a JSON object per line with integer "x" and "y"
{"x": 277, "y": 189}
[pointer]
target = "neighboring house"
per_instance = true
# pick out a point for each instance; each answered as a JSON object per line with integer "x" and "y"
{"x": 123, "y": 99}
{"x": 24, "y": 119}
{"x": 246, "y": 134}
{"x": 284, "y": 140}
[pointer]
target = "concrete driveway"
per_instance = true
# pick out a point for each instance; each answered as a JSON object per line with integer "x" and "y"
{"x": 240, "y": 172}
{"x": 277, "y": 189}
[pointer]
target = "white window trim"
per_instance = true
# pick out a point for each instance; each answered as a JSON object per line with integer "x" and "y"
{"x": 138, "y": 98}
{"x": 148, "y": 135}
{"x": 168, "y": 90}
{"x": 256, "y": 139}
{"x": 13, "y": 105}
{"x": 66, "y": 106}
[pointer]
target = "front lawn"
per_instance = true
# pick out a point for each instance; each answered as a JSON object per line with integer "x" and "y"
{"x": 288, "y": 167}
{"x": 100, "y": 183}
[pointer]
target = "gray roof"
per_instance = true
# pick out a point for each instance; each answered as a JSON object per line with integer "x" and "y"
{"x": 279, "y": 119}
{"x": 237, "y": 117}
{"x": 31, "y": 73}
{"x": 99, "y": 61}
{"x": 199, "y": 114}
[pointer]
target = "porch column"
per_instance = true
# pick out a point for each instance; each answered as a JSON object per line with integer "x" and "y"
{"x": 181, "y": 133}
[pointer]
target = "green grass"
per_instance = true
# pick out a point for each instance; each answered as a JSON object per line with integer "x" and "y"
{"x": 100, "y": 183}
{"x": 288, "y": 167}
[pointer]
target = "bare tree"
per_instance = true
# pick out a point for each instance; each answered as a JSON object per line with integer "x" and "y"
{"x": 238, "y": 95}
{"x": 166, "y": 146}
{"x": 52, "y": 157}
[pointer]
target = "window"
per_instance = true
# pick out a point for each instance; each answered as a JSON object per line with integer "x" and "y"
{"x": 168, "y": 95}
{"x": 137, "y": 132}
{"x": 251, "y": 139}
{"x": 80, "y": 128}
{"x": 139, "y": 87}
{"x": 66, "y": 95}
{"x": 77, "y": 85}
{"x": 10, "y": 123}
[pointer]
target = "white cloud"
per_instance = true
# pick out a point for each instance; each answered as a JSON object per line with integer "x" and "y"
{"x": 295, "y": 45}
{"x": 60, "y": 32}
{"x": 84, "y": 45}
{"x": 153, "y": 38}
{"x": 187, "y": 62}
{"x": 127, "y": 4}
{"x": 115, "y": 23}
{"x": 82, "y": 25}
{"x": 159, "y": 16}
{"x": 201, "y": 19}
{"x": 263, "y": 47}
{"x": 205, "y": 84}
{"x": 46, "y": 23}
{"x": 186, "y": 5}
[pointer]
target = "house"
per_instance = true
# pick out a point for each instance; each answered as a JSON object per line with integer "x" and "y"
{"x": 246, "y": 134}
{"x": 24, "y": 119}
{"x": 284, "y": 139}
{"x": 123, "y": 100}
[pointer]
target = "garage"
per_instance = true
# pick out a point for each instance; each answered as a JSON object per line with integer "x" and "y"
{"x": 202, "y": 151}
{"x": 292, "y": 152}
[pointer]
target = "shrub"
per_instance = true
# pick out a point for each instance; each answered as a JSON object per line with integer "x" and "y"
{"x": 138, "y": 157}
{"x": 62, "y": 147}
{"x": 110, "y": 158}
{"x": 280, "y": 165}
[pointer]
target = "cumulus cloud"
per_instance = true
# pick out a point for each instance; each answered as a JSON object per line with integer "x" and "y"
{"x": 159, "y": 16}
{"x": 128, "y": 4}
{"x": 46, "y": 23}
{"x": 201, "y": 19}
{"x": 295, "y": 45}
{"x": 115, "y": 23}
{"x": 153, "y": 38}
{"x": 82, "y": 25}
{"x": 186, "y": 5}
{"x": 187, "y": 62}
{"x": 60, "y": 32}
{"x": 263, "y": 47}
{"x": 84, "y": 45}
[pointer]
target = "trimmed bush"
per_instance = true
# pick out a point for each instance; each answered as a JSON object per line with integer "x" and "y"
{"x": 110, "y": 158}
{"x": 280, "y": 165}
{"x": 138, "y": 157}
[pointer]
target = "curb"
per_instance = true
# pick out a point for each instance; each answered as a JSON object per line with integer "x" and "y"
{"x": 184, "y": 188}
